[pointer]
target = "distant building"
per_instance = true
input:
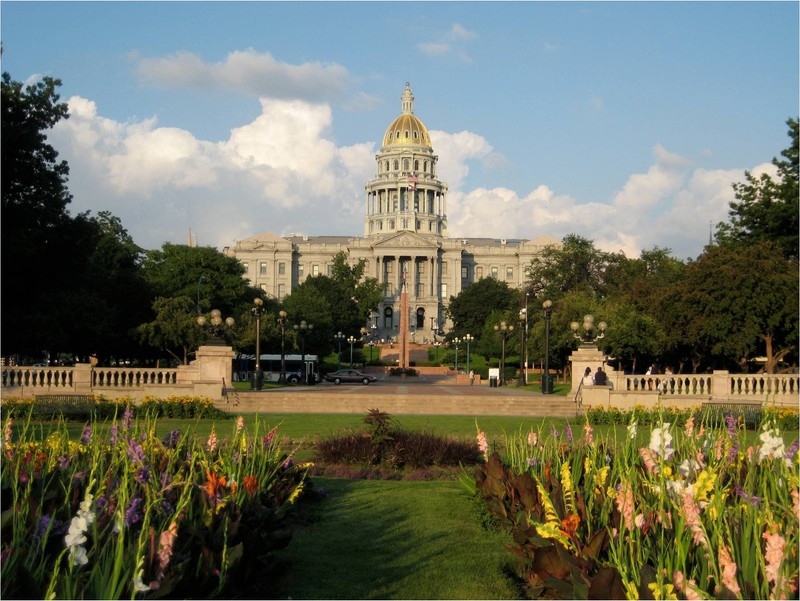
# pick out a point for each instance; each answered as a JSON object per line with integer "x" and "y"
{"x": 405, "y": 229}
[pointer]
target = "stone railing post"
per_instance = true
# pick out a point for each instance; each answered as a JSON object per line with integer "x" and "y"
{"x": 720, "y": 386}
{"x": 82, "y": 378}
{"x": 586, "y": 355}
{"x": 214, "y": 365}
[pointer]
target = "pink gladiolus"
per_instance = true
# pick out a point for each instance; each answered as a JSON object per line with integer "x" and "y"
{"x": 239, "y": 424}
{"x": 689, "y": 427}
{"x": 7, "y": 432}
{"x": 483, "y": 445}
{"x": 796, "y": 502}
{"x": 624, "y": 501}
{"x": 687, "y": 587}
{"x": 533, "y": 438}
{"x": 728, "y": 567}
{"x": 587, "y": 434}
{"x": 165, "y": 543}
{"x": 773, "y": 555}
{"x": 691, "y": 513}
{"x": 649, "y": 458}
{"x": 211, "y": 445}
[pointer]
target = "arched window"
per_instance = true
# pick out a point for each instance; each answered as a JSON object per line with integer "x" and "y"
{"x": 416, "y": 165}
{"x": 415, "y": 134}
{"x": 405, "y": 164}
{"x": 425, "y": 167}
{"x": 396, "y": 164}
{"x": 420, "y": 318}
{"x": 387, "y": 166}
{"x": 406, "y": 133}
{"x": 388, "y": 319}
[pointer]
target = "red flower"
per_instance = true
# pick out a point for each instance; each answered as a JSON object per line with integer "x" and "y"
{"x": 251, "y": 485}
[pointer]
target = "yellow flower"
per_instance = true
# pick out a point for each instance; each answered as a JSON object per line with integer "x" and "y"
{"x": 704, "y": 484}
{"x": 566, "y": 485}
{"x": 600, "y": 476}
{"x": 552, "y": 531}
{"x": 667, "y": 471}
{"x": 665, "y": 591}
{"x": 296, "y": 493}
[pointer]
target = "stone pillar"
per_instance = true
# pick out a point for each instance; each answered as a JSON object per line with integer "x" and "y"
{"x": 404, "y": 329}
{"x": 82, "y": 378}
{"x": 586, "y": 355}
{"x": 214, "y": 370}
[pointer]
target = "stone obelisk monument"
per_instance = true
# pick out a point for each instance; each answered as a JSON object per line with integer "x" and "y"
{"x": 404, "y": 329}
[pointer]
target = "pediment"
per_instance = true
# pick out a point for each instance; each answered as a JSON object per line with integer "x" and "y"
{"x": 405, "y": 240}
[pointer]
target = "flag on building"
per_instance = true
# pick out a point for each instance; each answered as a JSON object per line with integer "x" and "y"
{"x": 412, "y": 181}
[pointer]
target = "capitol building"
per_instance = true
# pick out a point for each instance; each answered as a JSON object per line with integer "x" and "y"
{"x": 405, "y": 230}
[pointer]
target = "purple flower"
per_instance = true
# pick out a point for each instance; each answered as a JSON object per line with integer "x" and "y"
{"x": 133, "y": 513}
{"x": 142, "y": 475}
{"x": 171, "y": 440}
{"x": 752, "y": 499}
{"x": 731, "y": 423}
{"x": 63, "y": 462}
{"x": 86, "y": 437}
{"x": 568, "y": 433}
{"x": 127, "y": 418}
{"x": 733, "y": 453}
{"x": 113, "y": 434}
{"x": 165, "y": 480}
{"x": 135, "y": 451}
{"x": 790, "y": 452}
{"x": 554, "y": 433}
{"x": 532, "y": 461}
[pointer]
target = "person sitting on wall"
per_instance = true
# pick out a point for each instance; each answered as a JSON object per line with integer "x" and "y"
{"x": 600, "y": 378}
{"x": 588, "y": 380}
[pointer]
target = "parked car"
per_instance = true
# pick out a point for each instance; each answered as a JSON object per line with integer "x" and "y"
{"x": 349, "y": 375}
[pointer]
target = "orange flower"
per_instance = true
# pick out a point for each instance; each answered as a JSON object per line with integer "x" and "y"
{"x": 214, "y": 483}
{"x": 251, "y": 485}
{"x": 570, "y": 524}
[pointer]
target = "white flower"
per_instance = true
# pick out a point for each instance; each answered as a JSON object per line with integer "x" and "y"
{"x": 78, "y": 556}
{"x": 771, "y": 445}
{"x": 75, "y": 536}
{"x": 661, "y": 442}
{"x": 677, "y": 488}
{"x": 688, "y": 467}
{"x": 632, "y": 430}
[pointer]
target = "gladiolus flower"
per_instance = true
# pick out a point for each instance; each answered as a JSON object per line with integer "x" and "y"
{"x": 212, "y": 443}
{"x": 773, "y": 555}
{"x": 533, "y": 438}
{"x": 7, "y": 432}
{"x": 483, "y": 444}
{"x": 86, "y": 436}
{"x": 649, "y": 457}
{"x": 689, "y": 427}
{"x": 239, "y": 424}
{"x": 691, "y": 513}
{"x": 632, "y": 430}
{"x": 587, "y": 434}
{"x": 661, "y": 442}
{"x": 624, "y": 501}
{"x": 771, "y": 446}
{"x": 127, "y": 418}
{"x": 568, "y": 433}
{"x": 728, "y": 567}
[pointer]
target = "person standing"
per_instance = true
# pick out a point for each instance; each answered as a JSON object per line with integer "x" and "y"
{"x": 471, "y": 377}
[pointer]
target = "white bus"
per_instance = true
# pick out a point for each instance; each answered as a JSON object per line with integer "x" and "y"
{"x": 244, "y": 366}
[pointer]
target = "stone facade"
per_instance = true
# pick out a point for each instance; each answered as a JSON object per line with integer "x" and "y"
{"x": 405, "y": 229}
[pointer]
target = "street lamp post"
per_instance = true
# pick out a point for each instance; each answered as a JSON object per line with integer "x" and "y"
{"x": 456, "y": 342}
{"x": 523, "y": 379}
{"x": 588, "y": 336}
{"x": 213, "y": 327}
{"x": 436, "y": 345}
{"x": 282, "y": 324}
{"x": 371, "y": 346}
{"x": 303, "y": 329}
{"x": 505, "y": 331}
{"x": 339, "y": 337}
{"x": 468, "y": 338}
{"x": 547, "y": 385}
{"x": 352, "y": 341}
{"x": 257, "y": 310}
{"x": 527, "y": 296}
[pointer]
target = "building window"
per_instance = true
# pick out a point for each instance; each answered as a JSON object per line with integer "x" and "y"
{"x": 415, "y": 134}
{"x": 315, "y": 270}
{"x": 420, "y": 289}
{"x": 494, "y": 272}
{"x": 391, "y": 224}
{"x": 281, "y": 291}
{"x": 444, "y": 290}
{"x": 300, "y": 271}
{"x": 262, "y": 268}
{"x": 464, "y": 272}
{"x": 396, "y": 162}
{"x": 479, "y": 273}
{"x": 509, "y": 273}
{"x": 444, "y": 268}
{"x": 425, "y": 167}
{"x": 246, "y": 266}
{"x": 420, "y": 267}
{"x": 416, "y": 165}
{"x": 388, "y": 317}
{"x": 281, "y": 268}
{"x": 329, "y": 270}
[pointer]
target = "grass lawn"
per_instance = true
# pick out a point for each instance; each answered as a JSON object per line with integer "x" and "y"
{"x": 373, "y": 539}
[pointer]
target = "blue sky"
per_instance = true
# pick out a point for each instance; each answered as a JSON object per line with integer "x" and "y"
{"x": 622, "y": 122}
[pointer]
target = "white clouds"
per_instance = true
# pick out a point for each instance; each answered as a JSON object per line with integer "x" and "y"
{"x": 248, "y": 71}
{"x": 282, "y": 172}
{"x": 451, "y": 44}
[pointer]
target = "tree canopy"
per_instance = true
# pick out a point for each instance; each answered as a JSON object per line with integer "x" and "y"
{"x": 471, "y": 309}
{"x": 768, "y": 209}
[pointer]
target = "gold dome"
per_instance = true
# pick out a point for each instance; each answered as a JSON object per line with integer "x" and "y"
{"x": 407, "y": 129}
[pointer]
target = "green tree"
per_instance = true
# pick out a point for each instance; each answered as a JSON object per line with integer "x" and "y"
{"x": 767, "y": 209}
{"x": 576, "y": 266}
{"x": 734, "y": 303}
{"x": 204, "y": 274}
{"x": 472, "y": 308}
{"x": 174, "y": 329}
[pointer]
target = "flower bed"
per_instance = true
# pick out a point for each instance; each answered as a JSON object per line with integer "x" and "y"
{"x": 135, "y": 515}
{"x": 695, "y": 514}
